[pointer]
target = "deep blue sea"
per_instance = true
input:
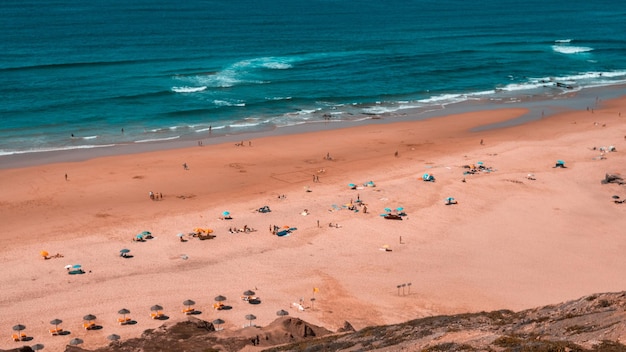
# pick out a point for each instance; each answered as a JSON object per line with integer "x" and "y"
{"x": 165, "y": 70}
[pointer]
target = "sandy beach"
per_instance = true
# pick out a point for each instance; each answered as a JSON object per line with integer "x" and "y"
{"x": 511, "y": 242}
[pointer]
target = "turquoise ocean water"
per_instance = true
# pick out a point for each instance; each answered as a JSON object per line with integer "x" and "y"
{"x": 170, "y": 70}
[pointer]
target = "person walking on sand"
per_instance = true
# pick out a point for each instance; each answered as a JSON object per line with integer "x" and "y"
{"x": 65, "y": 177}
{"x": 185, "y": 166}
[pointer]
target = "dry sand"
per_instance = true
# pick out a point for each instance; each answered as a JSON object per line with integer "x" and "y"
{"x": 510, "y": 243}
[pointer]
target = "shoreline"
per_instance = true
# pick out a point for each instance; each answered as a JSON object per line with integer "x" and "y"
{"x": 537, "y": 108}
{"x": 509, "y": 243}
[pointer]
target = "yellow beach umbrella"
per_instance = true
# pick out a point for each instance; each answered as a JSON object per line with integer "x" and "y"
{"x": 44, "y": 254}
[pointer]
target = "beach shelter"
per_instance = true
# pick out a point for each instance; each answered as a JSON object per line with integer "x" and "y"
{"x": 89, "y": 318}
{"x": 76, "y": 341}
{"x": 19, "y": 327}
{"x": 123, "y": 312}
{"x": 56, "y": 323}
{"x": 218, "y": 322}
{"x": 250, "y": 317}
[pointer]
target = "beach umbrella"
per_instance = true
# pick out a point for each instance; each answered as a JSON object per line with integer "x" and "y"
{"x": 124, "y": 250}
{"x": 616, "y": 197}
{"x": 225, "y": 213}
{"x": 250, "y": 317}
{"x": 180, "y": 235}
{"x": 89, "y": 317}
{"x": 351, "y": 185}
{"x": 123, "y": 312}
{"x": 146, "y": 233}
{"x": 388, "y": 210}
{"x": 113, "y": 337}
{"x": 68, "y": 267}
{"x": 156, "y": 308}
{"x": 248, "y": 293}
{"x": 44, "y": 254}
{"x": 220, "y": 298}
{"x": 139, "y": 237}
{"x": 218, "y": 322}
{"x": 479, "y": 163}
{"x": 400, "y": 209}
{"x": 56, "y": 322}
{"x": 76, "y": 266}
{"x": 282, "y": 313}
{"x": 76, "y": 341}
{"x": 19, "y": 327}
{"x": 189, "y": 303}
{"x": 37, "y": 347}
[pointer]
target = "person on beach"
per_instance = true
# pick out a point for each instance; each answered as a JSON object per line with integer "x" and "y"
{"x": 185, "y": 166}
{"x": 65, "y": 177}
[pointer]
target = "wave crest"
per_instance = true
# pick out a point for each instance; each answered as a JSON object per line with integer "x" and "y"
{"x": 188, "y": 89}
{"x": 563, "y": 49}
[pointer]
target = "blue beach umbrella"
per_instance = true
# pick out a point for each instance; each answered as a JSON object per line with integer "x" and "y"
{"x": 388, "y": 210}
{"x": 76, "y": 266}
{"x": 425, "y": 176}
{"x": 140, "y": 236}
{"x": 226, "y": 213}
{"x": 449, "y": 199}
{"x": 561, "y": 162}
{"x": 479, "y": 163}
{"x": 125, "y": 250}
{"x": 146, "y": 233}
{"x": 351, "y": 185}
{"x": 400, "y": 209}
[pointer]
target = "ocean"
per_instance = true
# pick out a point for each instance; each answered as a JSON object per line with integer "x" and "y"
{"x": 102, "y": 73}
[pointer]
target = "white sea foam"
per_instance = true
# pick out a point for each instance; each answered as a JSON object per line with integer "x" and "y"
{"x": 157, "y": 139}
{"x": 53, "y": 149}
{"x": 228, "y": 103}
{"x": 89, "y": 137}
{"x": 210, "y": 128}
{"x": 244, "y": 124}
{"x": 188, "y": 89}
{"x": 278, "y": 98}
{"x": 563, "y": 41}
{"x": 566, "y": 49}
